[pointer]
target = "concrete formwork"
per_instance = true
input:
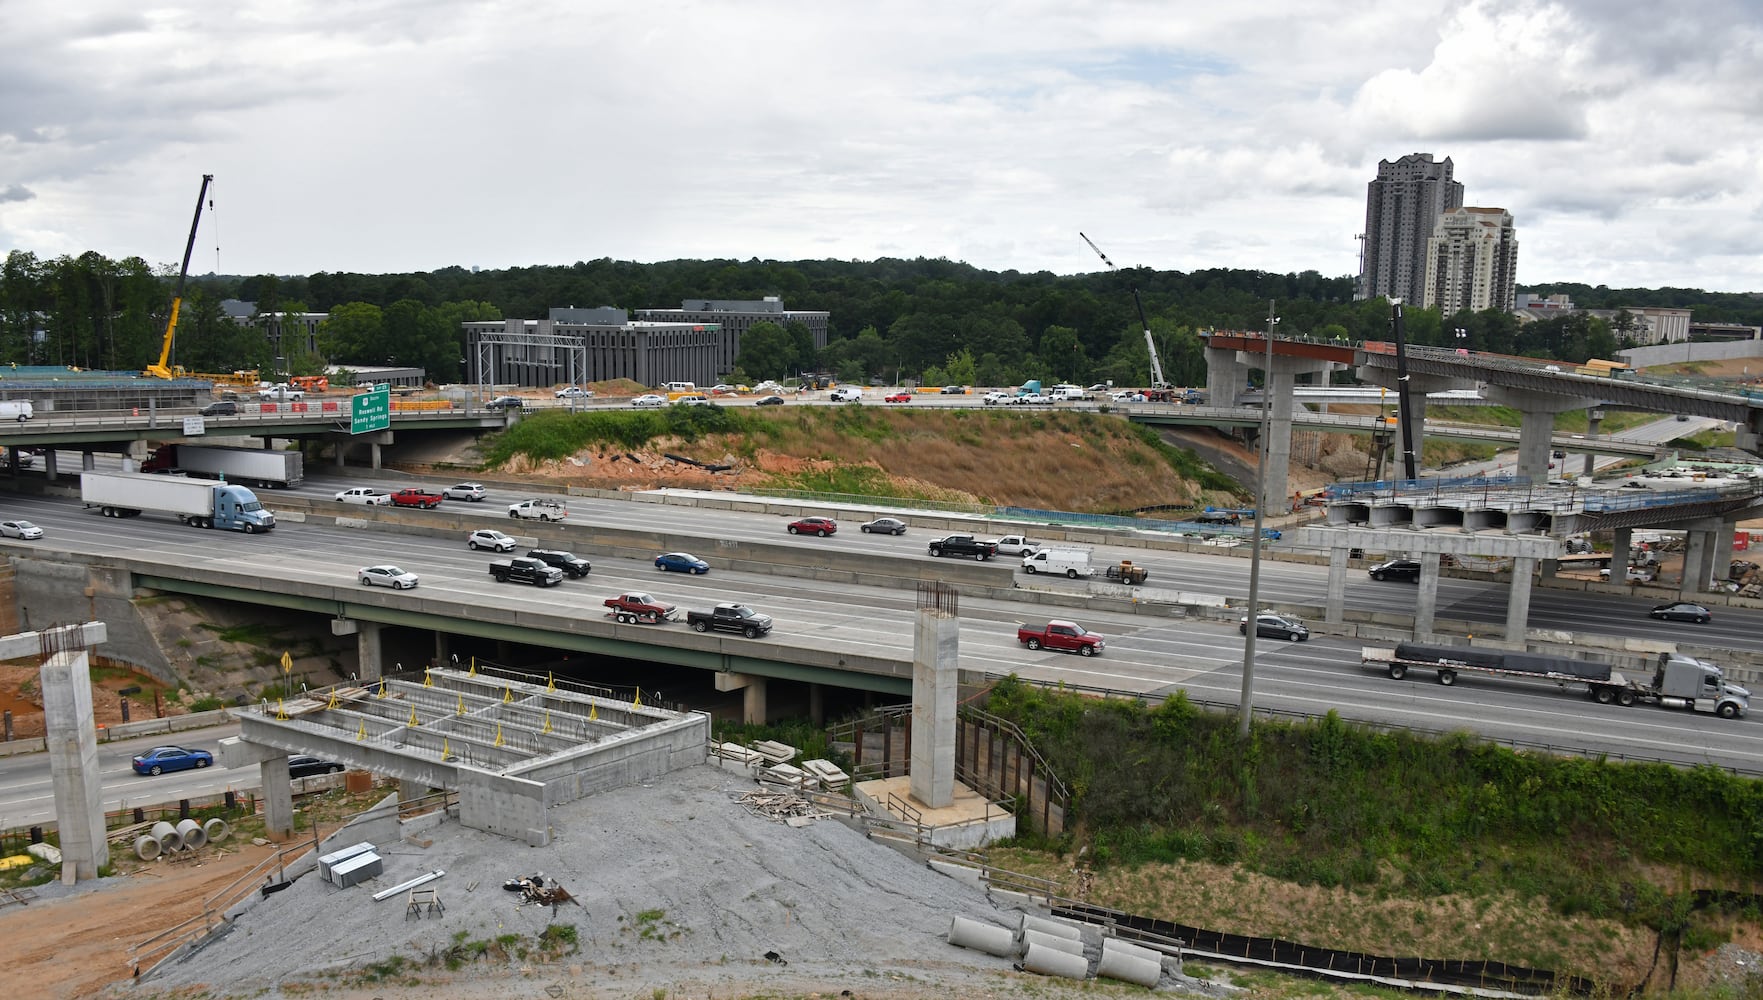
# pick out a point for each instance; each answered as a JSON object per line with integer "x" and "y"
{"x": 510, "y": 748}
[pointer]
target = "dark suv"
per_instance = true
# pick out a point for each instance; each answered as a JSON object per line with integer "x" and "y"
{"x": 568, "y": 562}
{"x": 506, "y": 403}
{"x": 220, "y": 408}
{"x": 1396, "y": 569}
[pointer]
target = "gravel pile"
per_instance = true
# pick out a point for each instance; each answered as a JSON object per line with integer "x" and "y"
{"x": 680, "y": 888}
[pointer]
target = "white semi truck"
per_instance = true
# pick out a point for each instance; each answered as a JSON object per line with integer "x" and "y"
{"x": 199, "y": 503}
{"x": 251, "y": 466}
{"x": 1677, "y": 681}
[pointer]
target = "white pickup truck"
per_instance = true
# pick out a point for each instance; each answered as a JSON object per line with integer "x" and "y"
{"x": 542, "y": 510}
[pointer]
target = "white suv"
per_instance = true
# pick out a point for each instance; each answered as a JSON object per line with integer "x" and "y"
{"x": 485, "y": 538}
{"x": 465, "y": 491}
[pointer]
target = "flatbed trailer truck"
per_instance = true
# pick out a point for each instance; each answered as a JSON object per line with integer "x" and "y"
{"x": 1677, "y": 681}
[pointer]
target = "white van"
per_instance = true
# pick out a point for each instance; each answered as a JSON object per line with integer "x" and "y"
{"x": 681, "y": 387}
{"x": 845, "y": 394}
{"x": 15, "y": 409}
{"x": 1072, "y": 562}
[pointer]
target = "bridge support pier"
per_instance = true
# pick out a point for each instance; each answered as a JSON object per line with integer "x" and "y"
{"x": 72, "y": 743}
{"x": 1518, "y": 600}
{"x": 1536, "y": 434}
{"x": 88, "y": 461}
{"x": 1281, "y": 382}
{"x": 936, "y": 659}
{"x": 1695, "y": 564}
{"x": 50, "y": 469}
{"x": 1335, "y": 610}
{"x": 1593, "y": 418}
{"x": 1621, "y": 540}
{"x": 752, "y": 688}
{"x": 1426, "y": 603}
{"x": 369, "y": 653}
{"x": 817, "y": 704}
{"x": 1720, "y": 553}
{"x": 1226, "y": 377}
{"x": 1418, "y": 387}
{"x": 278, "y": 796}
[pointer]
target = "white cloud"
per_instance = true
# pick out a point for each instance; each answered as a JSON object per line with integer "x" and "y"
{"x": 397, "y": 135}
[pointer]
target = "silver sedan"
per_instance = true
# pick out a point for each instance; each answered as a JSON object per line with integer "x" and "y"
{"x": 386, "y": 576}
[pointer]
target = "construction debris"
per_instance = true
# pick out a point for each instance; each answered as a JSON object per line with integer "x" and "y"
{"x": 783, "y": 807}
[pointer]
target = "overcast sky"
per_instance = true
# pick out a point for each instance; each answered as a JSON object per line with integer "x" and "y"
{"x": 1626, "y": 137}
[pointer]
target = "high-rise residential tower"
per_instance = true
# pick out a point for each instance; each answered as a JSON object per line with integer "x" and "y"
{"x": 1401, "y": 207}
{"x": 1471, "y": 261}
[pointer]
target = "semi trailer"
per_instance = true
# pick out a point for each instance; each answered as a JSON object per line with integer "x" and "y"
{"x": 196, "y": 502}
{"x": 250, "y": 466}
{"x": 1676, "y": 681}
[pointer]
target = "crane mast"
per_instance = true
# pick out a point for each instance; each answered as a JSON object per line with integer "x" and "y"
{"x": 1157, "y": 379}
{"x": 162, "y": 369}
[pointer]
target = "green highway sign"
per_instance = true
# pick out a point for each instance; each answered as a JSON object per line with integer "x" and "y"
{"x": 371, "y": 411}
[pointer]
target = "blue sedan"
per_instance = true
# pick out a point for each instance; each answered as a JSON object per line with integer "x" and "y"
{"x": 681, "y": 562}
{"x": 162, "y": 759}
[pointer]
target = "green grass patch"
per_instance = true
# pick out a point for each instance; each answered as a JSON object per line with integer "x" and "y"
{"x": 1187, "y": 464}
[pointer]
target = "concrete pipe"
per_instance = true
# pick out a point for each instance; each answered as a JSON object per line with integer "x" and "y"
{"x": 1067, "y": 945}
{"x": 1117, "y": 963}
{"x": 1132, "y": 948}
{"x": 217, "y": 830}
{"x": 191, "y": 831}
{"x": 1057, "y": 928}
{"x": 168, "y": 838}
{"x": 1052, "y": 962}
{"x": 146, "y": 847}
{"x": 989, "y": 938}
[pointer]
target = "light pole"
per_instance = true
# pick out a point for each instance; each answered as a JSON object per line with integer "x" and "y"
{"x": 1462, "y": 335}
{"x": 1252, "y": 627}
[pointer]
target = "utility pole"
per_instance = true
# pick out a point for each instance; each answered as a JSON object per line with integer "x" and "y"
{"x": 1253, "y": 627}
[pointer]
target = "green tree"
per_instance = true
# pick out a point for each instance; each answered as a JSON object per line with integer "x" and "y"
{"x": 1063, "y": 353}
{"x": 767, "y": 351}
{"x": 353, "y": 332}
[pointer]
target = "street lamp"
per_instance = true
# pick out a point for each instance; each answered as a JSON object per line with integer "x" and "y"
{"x": 1253, "y": 625}
{"x": 1462, "y": 335}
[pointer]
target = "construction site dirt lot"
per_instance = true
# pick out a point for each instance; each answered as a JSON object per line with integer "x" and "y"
{"x": 683, "y": 892}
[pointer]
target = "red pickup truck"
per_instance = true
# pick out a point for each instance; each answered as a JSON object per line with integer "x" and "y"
{"x": 1068, "y": 637}
{"x": 634, "y": 608}
{"x": 416, "y": 498}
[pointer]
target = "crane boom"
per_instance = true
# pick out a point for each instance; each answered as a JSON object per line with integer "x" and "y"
{"x": 161, "y": 369}
{"x": 1157, "y": 379}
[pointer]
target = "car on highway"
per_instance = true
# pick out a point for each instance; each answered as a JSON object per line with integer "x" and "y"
{"x": 1271, "y": 625}
{"x": 996, "y": 398}
{"x": 693, "y": 399}
{"x": 304, "y": 765}
{"x": 538, "y": 508}
{"x": 170, "y": 758}
{"x": 680, "y": 562}
{"x": 1681, "y": 611}
{"x": 465, "y": 491}
{"x": 386, "y": 576}
{"x": 846, "y": 394}
{"x": 574, "y": 392}
{"x": 648, "y": 399}
{"x": 366, "y": 495}
{"x": 571, "y": 564}
{"x": 20, "y": 529}
{"x": 822, "y": 526}
{"x": 1396, "y": 569}
{"x": 769, "y": 401}
{"x": 506, "y": 403}
{"x": 487, "y": 538}
{"x": 884, "y": 526}
{"x": 953, "y": 390}
{"x": 1032, "y": 399}
{"x": 897, "y": 397}
{"x": 1127, "y": 396}
{"x": 220, "y": 408}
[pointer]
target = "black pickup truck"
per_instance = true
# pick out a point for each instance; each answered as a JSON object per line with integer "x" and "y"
{"x": 524, "y": 569}
{"x": 730, "y": 618}
{"x": 568, "y": 562}
{"x": 963, "y": 545}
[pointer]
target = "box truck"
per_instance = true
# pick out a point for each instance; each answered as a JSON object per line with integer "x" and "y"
{"x": 196, "y": 502}
{"x": 249, "y": 466}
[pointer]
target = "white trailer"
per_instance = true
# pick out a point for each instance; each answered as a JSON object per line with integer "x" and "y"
{"x": 253, "y": 466}
{"x": 197, "y": 502}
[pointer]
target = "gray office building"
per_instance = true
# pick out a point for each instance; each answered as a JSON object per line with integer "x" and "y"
{"x": 591, "y": 345}
{"x": 735, "y": 317}
{"x": 1402, "y": 206}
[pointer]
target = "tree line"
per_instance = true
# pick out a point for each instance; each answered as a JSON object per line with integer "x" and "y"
{"x": 930, "y": 319}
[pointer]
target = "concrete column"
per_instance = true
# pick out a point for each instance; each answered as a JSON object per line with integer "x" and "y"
{"x": 410, "y": 791}
{"x": 936, "y": 663}
{"x": 341, "y": 453}
{"x": 50, "y": 467}
{"x": 1621, "y": 542}
{"x": 816, "y": 704}
{"x": 1720, "y": 553}
{"x": 374, "y": 446}
{"x": 1426, "y": 603}
{"x": 1593, "y": 418}
{"x": 278, "y": 797}
{"x": 1695, "y": 564}
{"x": 1336, "y": 606}
{"x": 368, "y": 652}
{"x": 443, "y": 648}
{"x": 1536, "y": 437}
{"x": 1518, "y": 600}
{"x": 72, "y": 741}
{"x": 88, "y": 461}
{"x": 753, "y": 708}
{"x": 1225, "y": 377}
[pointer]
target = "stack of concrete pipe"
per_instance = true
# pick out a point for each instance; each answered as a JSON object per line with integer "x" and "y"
{"x": 1130, "y": 963}
{"x": 191, "y": 832}
{"x": 1056, "y": 948}
{"x": 187, "y": 835}
{"x": 1052, "y": 947}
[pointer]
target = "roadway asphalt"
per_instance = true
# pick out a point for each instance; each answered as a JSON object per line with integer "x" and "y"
{"x": 1147, "y": 653}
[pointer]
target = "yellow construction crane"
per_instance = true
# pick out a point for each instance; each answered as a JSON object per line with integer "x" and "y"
{"x": 161, "y": 370}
